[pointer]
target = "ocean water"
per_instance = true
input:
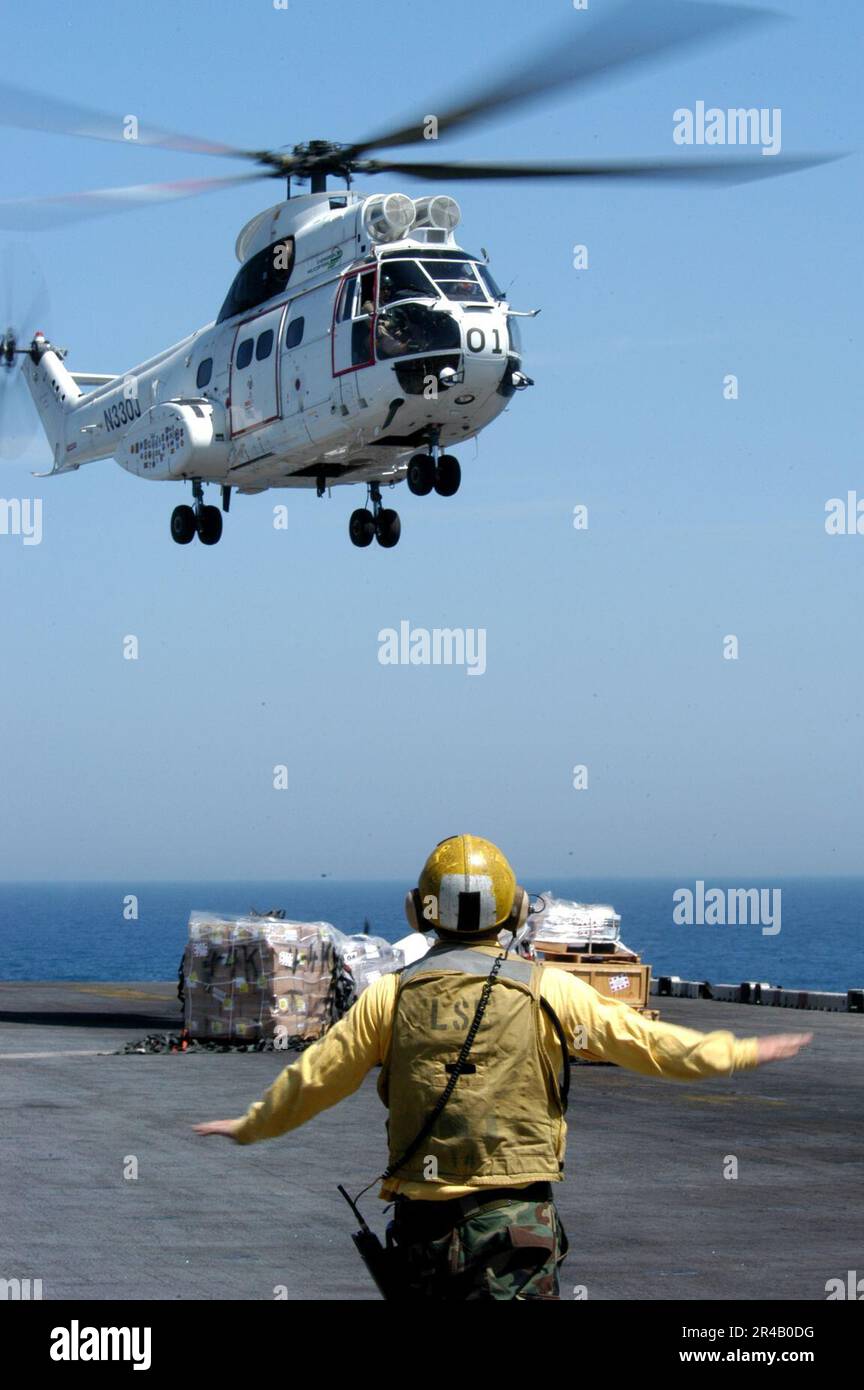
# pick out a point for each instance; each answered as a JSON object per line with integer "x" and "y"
{"x": 77, "y": 931}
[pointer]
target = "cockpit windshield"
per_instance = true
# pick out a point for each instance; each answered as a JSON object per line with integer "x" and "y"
{"x": 457, "y": 280}
{"x": 463, "y": 282}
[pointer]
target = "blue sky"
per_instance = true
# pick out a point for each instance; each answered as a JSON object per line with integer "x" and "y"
{"x": 604, "y": 646}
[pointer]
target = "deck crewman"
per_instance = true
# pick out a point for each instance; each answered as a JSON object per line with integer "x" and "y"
{"x": 474, "y": 1212}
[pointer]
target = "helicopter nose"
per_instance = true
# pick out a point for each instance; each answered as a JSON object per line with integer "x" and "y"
{"x": 485, "y": 353}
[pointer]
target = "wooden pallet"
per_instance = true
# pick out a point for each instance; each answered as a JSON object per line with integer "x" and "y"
{"x": 620, "y": 976}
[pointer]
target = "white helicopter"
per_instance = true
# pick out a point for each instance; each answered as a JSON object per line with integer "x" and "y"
{"x": 359, "y": 341}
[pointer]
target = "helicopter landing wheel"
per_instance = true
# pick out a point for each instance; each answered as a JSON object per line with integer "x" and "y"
{"x": 421, "y": 475}
{"x": 388, "y": 528}
{"x": 209, "y": 525}
{"x": 448, "y": 476}
{"x": 183, "y": 525}
{"x": 361, "y": 527}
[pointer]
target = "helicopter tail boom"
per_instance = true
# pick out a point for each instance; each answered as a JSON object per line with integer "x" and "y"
{"x": 55, "y": 394}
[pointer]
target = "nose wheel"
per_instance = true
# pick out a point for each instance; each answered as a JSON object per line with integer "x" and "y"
{"x": 198, "y": 520}
{"x": 421, "y": 475}
{"x": 380, "y": 523}
{"x": 448, "y": 476}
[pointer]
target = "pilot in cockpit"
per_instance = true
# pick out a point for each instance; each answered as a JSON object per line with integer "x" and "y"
{"x": 386, "y": 290}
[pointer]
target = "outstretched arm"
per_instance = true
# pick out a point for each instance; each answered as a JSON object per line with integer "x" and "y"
{"x": 326, "y": 1073}
{"x": 620, "y": 1034}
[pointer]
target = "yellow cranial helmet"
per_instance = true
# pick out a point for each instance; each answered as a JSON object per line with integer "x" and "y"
{"x": 466, "y": 886}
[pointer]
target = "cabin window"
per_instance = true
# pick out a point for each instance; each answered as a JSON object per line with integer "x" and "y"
{"x": 205, "y": 371}
{"x": 264, "y": 346}
{"x": 244, "y": 353}
{"x": 294, "y": 334}
{"x": 263, "y": 276}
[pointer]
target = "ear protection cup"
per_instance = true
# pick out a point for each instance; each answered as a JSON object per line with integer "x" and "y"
{"x": 414, "y": 911}
{"x": 518, "y": 912}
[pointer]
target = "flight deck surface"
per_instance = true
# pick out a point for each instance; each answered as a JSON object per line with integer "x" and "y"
{"x": 647, "y": 1208}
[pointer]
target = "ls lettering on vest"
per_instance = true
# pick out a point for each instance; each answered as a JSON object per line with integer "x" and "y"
{"x": 459, "y": 1017}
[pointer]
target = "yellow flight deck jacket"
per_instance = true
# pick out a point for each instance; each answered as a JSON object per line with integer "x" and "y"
{"x": 334, "y": 1067}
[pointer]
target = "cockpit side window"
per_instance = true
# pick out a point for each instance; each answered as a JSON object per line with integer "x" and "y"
{"x": 403, "y": 280}
{"x": 263, "y": 276}
{"x": 346, "y": 303}
{"x": 366, "y": 301}
{"x": 406, "y": 330}
{"x": 362, "y": 347}
{"x": 490, "y": 282}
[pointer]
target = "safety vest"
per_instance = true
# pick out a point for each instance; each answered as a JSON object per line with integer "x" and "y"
{"x": 503, "y": 1125}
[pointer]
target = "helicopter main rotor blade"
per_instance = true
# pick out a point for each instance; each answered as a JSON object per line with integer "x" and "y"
{"x": 32, "y": 214}
{"x": 35, "y": 111}
{"x": 635, "y": 33}
{"x": 719, "y": 171}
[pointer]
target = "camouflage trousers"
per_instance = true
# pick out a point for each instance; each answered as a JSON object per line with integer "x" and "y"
{"x": 511, "y": 1250}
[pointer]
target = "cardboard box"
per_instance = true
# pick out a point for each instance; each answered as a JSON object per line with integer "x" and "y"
{"x": 252, "y": 978}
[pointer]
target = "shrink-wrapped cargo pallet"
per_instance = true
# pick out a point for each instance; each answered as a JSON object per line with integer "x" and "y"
{"x": 248, "y": 978}
{"x": 251, "y": 978}
{"x": 572, "y": 924}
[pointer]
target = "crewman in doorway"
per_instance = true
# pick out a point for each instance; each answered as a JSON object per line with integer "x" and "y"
{"x": 474, "y": 1213}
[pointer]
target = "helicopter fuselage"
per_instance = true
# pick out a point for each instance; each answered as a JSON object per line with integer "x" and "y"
{"x": 367, "y": 345}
